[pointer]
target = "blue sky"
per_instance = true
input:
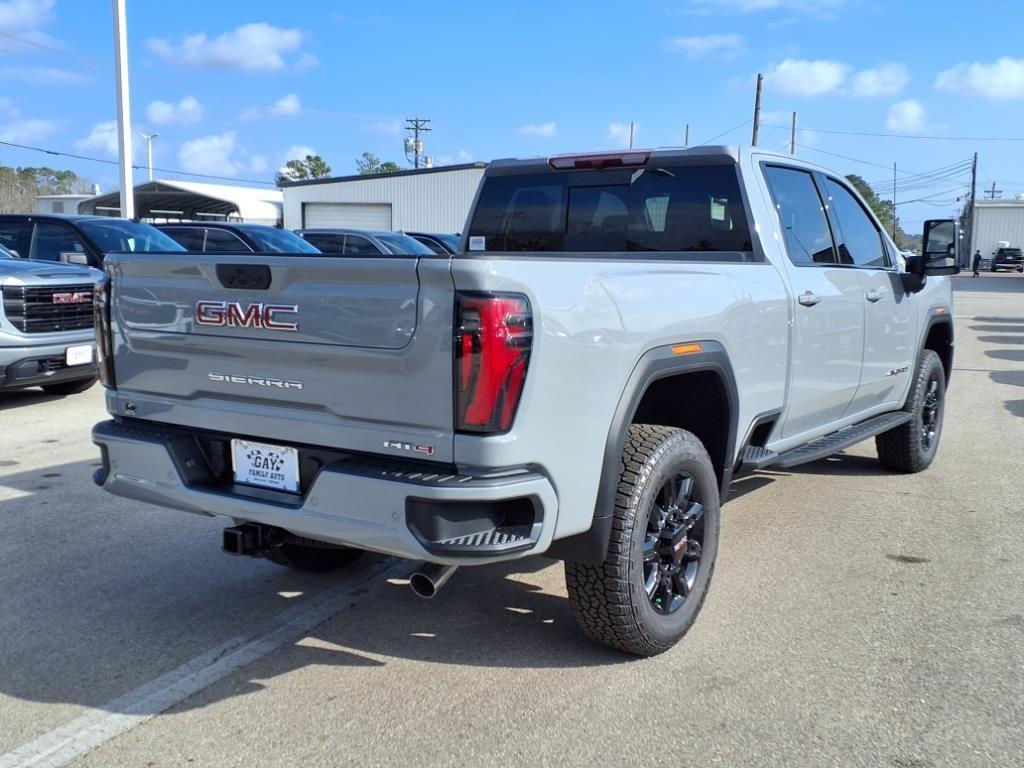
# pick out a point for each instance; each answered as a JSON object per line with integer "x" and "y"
{"x": 234, "y": 89}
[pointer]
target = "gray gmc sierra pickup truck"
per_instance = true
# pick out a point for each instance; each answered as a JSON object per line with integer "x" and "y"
{"x": 618, "y": 336}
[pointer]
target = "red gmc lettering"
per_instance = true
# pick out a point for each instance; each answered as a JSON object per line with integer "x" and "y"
{"x": 234, "y": 315}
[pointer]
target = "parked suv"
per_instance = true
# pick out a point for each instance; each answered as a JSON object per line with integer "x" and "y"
{"x": 623, "y": 334}
{"x": 46, "y": 326}
{"x": 81, "y": 240}
{"x": 227, "y": 237}
{"x": 362, "y": 242}
{"x": 1008, "y": 258}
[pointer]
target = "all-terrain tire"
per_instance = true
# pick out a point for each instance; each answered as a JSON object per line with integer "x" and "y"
{"x": 311, "y": 558}
{"x": 905, "y": 448}
{"x": 609, "y": 601}
{"x": 69, "y": 387}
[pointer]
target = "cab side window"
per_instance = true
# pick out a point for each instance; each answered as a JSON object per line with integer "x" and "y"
{"x": 859, "y": 241}
{"x": 801, "y": 215}
{"x": 360, "y": 246}
{"x": 51, "y": 240}
{"x": 221, "y": 240}
{"x": 14, "y": 236}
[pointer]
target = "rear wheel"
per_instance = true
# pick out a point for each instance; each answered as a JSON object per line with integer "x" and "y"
{"x": 648, "y": 591}
{"x": 69, "y": 387}
{"x": 911, "y": 447}
{"x": 311, "y": 557}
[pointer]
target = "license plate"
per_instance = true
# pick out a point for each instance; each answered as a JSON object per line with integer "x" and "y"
{"x": 266, "y": 466}
{"x": 80, "y": 355}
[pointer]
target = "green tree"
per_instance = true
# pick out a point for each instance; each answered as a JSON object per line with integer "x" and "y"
{"x": 370, "y": 164}
{"x": 312, "y": 167}
{"x": 883, "y": 209}
{"x": 20, "y": 186}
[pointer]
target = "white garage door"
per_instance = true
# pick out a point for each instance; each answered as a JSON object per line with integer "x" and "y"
{"x": 348, "y": 215}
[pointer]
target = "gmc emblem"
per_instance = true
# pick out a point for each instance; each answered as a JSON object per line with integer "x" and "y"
{"x": 233, "y": 314}
{"x": 79, "y": 297}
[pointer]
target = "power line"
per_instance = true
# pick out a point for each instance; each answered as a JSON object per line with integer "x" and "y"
{"x": 105, "y": 161}
{"x": 910, "y": 136}
{"x": 725, "y": 133}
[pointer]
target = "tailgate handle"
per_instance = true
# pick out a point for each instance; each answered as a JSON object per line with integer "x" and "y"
{"x": 253, "y": 277}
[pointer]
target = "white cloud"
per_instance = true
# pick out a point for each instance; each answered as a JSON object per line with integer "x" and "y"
{"x": 883, "y": 80}
{"x": 906, "y": 116}
{"x": 619, "y": 133}
{"x": 543, "y": 130}
{"x": 41, "y": 75}
{"x": 464, "y": 156}
{"x": 23, "y": 131}
{"x": 298, "y": 152}
{"x": 20, "y": 16}
{"x": 1002, "y": 79}
{"x": 696, "y": 46}
{"x": 258, "y": 164}
{"x": 186, "y": 111}
{"x": 286, "y": 106}
{"x": 102, "y": 138}
{"x": 801, "y": 77}
{"x": 210, "y": 154}
{"x": 259, "y": 47}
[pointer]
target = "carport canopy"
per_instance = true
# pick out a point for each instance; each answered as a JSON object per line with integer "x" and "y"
{"x": 162, "y": 200}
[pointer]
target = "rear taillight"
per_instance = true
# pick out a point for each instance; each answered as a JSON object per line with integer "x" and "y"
{"x": 493, "y": 337}
{"x": 104, "y": 339}
{"x": 599, "y": 160}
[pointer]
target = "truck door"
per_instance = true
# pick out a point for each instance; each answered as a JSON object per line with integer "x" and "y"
{"x": 889, "y": 320}
{"x": 828, "y": 306}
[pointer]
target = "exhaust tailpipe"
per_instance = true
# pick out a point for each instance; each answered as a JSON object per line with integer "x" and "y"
{"x": 429, "y": 579}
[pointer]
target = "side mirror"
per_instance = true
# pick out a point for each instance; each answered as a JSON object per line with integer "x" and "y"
{"x": 939, "y": 245}
{"x": 74, "y": 257}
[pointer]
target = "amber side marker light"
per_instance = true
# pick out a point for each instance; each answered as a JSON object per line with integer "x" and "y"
{"x": 687, "y": 349}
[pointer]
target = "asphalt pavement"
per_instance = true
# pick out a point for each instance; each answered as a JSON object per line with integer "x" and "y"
{"x": 857, "y": 618}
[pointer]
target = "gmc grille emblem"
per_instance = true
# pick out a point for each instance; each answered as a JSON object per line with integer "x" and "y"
{"x": 79, "y": 297}
{"x": 234, "y": 314}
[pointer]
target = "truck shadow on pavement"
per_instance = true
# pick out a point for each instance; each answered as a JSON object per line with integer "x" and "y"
{"x": 21, "y": 398}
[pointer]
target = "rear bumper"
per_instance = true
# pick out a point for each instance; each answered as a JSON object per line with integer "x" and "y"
{"x": 44, "y": 364}
{"x": 410, "y": 512}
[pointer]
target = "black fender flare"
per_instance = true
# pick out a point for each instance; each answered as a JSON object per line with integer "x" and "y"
{"x": 591, "y": 546}
{"x": 939, "y": 316}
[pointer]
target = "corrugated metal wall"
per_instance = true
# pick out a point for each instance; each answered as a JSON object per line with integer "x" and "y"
{"x": 428, "y": 202}
{"x": 995, "y": 223}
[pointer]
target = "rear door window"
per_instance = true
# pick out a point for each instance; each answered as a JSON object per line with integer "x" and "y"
{"x": 801, "y": 215}
{"x": 325, "y": 242}
{"x": 51, "y": 240}
{"x": 356, "y": 245}
{"x": 676, "y": 209}
{"x": 190, "y": 238}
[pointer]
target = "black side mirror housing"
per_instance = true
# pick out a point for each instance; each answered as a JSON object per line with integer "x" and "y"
{"x": 939, "y": 248}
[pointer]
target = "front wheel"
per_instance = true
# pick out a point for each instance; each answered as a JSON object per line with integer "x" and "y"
{"x": 911, "y": 447}
{"x": 648, "y": 591}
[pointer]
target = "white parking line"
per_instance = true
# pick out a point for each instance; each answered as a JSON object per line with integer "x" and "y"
{"x": 100, "y": 724}
{"x": 7, "y": 493}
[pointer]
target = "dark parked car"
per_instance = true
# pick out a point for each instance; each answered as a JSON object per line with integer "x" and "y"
{"x": 362, "y": 242}
{"x": 1008, "y": 258}
{"x": 231, "y": 237}
{"x": 81, "y": 240}
{"x": 442, "y": 245}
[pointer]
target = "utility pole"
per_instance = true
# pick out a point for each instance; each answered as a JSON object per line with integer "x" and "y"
{"x": 417, "y": 126}
{"x": 686, "y": 139}
{"x": 970, "y": 211}
{"x": 792, "y": 137}
{"x": 124, "y": 111}
{"x": 757, "y": 109}
{"x": 993, "y": 193}
{"x": 894, "y": 202}
{"x": 630, "y": 134}
{"x": 148, "y": 137}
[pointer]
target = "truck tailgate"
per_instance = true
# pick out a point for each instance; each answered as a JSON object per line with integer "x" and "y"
{"x": 347, "y": 353}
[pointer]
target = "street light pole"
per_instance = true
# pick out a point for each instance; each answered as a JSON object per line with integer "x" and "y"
{"x": 124, "y": 116}
{"x": 149, "y": 151}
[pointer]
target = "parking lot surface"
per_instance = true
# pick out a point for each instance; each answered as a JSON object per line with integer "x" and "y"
{"x": 858, "y": 618}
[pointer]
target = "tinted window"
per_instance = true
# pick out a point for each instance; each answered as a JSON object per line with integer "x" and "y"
{"x": 669, "y": 209}
{"x": 801, "y": 215}
{"x": 130, "y": 236}
{"x": 11, "y": 233}
{"x": 221, "y": 240}
{"x": 433, "y": 246}
{"x": 360, "y": 246}
{"x": 858, "y": 239}
{"x": 274, "y": 240}
{"x": 325, "y": 243}
{"x": 5, "y": 254}
{"x": 190, "y": 238}
{"x": 403, "y": 245}
{"x": 452, "y": 241}
{"x": 51, "y": 240}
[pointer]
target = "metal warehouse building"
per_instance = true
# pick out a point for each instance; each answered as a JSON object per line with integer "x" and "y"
{"x": 997, "y": 223}
{"x": 426, "y": 200}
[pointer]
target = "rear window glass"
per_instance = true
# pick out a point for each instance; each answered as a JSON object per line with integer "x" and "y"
{"x": 675, "y": 209}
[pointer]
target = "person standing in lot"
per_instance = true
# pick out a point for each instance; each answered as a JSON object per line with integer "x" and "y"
{"x": 976, "y": 262}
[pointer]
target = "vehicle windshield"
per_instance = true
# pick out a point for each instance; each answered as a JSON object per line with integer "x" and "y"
{"x": 452, "y": 241}
{"x": 127, "y": 236}
{"x": 403, "y": 245}
{"x": 273, "y": 240}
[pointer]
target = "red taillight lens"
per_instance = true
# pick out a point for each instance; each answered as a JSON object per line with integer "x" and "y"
{"x": 104, "y": 340}
{"x": 600, "y": 160}
{"x": 493, "y": 337}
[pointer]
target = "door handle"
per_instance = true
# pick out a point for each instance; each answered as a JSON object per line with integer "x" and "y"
{"x": 876, "y": 294}
{"x": 808, "y": 299}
